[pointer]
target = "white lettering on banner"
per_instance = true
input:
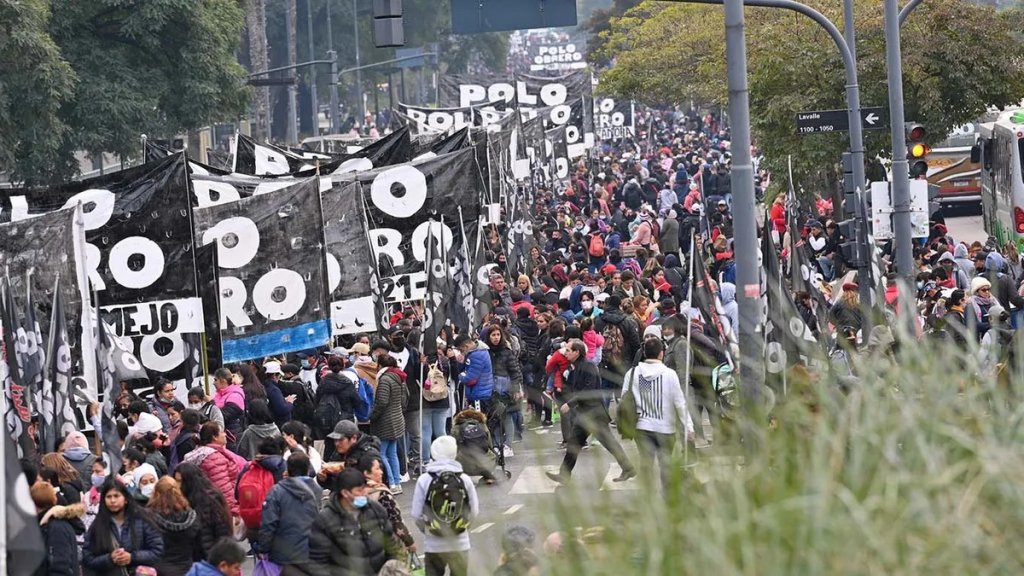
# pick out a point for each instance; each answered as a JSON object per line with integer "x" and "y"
{"x": 270, "y": 162}
{"x": 232, "y": 302}
{"x": 155, "y": 354}
{"x": 411, "y": 191}
{"x": 279, "y": 294}
{"x": 438, "y": 121}
{"x": 441, "y": 233}
{"x": 551, "y": 94}
{"x": 404, "y": 287}
{"x": 212, "y": 193}
{"x": 238, "y": 241}
{"x": 333, "y": 272}
{"x": 136, "y": 262}
{"x": 387, "y": 242}
{"x": 352, "y": 316}
{"x": 160, "y": 317}
{"x": 93, "y": 257}
{"x": 97, "y": 207}
{"x": 561, "y": 168}
{"x": 352, "y": 165}
{"x": 272, "y": 185}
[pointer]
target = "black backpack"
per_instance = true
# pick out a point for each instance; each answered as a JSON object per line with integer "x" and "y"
{"x": 447, "y": 504}
{"x": 325, "y": 416}
{"x": 473, "y": 436}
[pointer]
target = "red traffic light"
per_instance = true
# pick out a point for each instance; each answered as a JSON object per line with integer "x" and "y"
{"x": 917, "y": 132}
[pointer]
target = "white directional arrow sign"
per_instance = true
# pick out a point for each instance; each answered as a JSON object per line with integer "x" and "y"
{"x": 873, "y": 118}
{"x": 870, "y": 119}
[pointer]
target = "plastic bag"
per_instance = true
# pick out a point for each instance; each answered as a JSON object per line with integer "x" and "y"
{"x": 264, "y": 567}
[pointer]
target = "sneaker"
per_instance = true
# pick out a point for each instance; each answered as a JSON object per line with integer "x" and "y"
{"x": 405, "y": 477}
{"x": 508, "y": 452}
{"x": 547, "y": 423}
{"x": 396, "y": 489}
{"x": 626, "y": 475}
{"x": 557, "y": 477}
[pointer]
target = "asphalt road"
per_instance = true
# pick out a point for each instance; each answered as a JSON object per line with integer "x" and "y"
{"x": 964, "y": 224}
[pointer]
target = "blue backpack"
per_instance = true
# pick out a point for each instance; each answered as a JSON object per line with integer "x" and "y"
{"x": 366, "y": 394}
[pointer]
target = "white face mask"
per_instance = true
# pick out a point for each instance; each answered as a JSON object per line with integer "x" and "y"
{"x": 147, "y": 490}
{"x": 587, "y": 305}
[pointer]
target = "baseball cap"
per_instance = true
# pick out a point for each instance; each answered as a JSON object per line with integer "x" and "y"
{"x": 344, "y": 429}
{"x": 338, "y": 351}
{"x": 272, "y": 367}
{"x": 361, "y": 349}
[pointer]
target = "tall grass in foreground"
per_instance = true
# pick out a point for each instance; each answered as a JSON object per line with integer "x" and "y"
{"x": 919, "y": 470}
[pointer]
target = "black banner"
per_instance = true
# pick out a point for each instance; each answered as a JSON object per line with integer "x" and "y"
{"x": 613, "y": 118}
{"x": 399, "y": 203}
{"x": 556, "y": 153}
{"x": 273, "y": 280}
{"x": 444, "y": 145}
{"x": 258, "y": 159}
{"x": 425, "y": 120}
{"x": 349, "y": 263}
{"x": 208, "y": 279}
{"x": 464, "y": 90}
{"x": 788, "y": 339}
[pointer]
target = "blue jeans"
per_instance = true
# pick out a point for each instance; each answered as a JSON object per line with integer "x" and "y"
{"x": 826, "y": 268}
{"x": 433, "y": 428}
{"x": 389, "y": 454}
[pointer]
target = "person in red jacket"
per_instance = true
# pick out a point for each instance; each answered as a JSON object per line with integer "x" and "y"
{"x": 219, "y": 464}
{"x": 778, "y": 214}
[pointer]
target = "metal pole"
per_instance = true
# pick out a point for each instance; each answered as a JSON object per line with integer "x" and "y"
{"x": 900, "y": 169}
{"x": 908, "y": 9}
{"x": 292, "y": 127}
{"x": 335, "y": 124}
{"x": 359, "y": 75}
{"x": 313, "y": 103}
{"x": 745, "y": 240}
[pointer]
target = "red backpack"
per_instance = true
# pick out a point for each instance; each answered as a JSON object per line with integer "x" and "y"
{"x": 596, "y": 246}
{"x": 253, "y": 486}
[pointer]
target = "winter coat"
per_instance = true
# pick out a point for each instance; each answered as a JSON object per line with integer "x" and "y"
{"x": 213, "y": 525}
{"x": 82, "y": 460}
{"x": 347, "y": 544}
{"x": 344, "y": 390}
{"x": 182, "y": 542}
{"x": 668, "y": 243}
{"x": 529, "y": 339}
{"x": 630, "y": 335}
{"x": 841, "y": 315}
{"x": 380, "y": 494}
{"x": 387, "y": 420}
{"x": 183, "y": 443}
{"x": 431, "y": 542}
{"x": 251, "y": 438}
{"x": 288, "y": 514}
{"x": 504, "y": 364}
{"x": 478, "y": 376}
{"x": 963, "y": 261}
{"x": 730, "y": 309}
{"x": 584, "y": 391}
{"x": 221, "y": 467}
{"x": 231, "y": 401}
{"x": 60, "y": 547}
{"x": 204, "y": 568}
{"x": 279, "y": 407}
{"x": 412, "y": 380}
{"x": 137, "y": 536}
{"x": 302, "y": 409}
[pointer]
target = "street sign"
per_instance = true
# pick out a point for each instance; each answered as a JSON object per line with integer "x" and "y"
{"x": 825, "y": 121}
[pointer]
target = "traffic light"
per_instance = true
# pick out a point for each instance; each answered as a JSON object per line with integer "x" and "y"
{"x": 388, "y": 28}
{"x": 849, "y": 247}
{"x": 917, "y": 150}
{"x": 849, "y": 188}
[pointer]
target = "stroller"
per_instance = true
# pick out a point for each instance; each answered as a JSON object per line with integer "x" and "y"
{"x": 473, "y": 438}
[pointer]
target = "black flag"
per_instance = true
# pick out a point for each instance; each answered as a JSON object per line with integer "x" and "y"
{"x": 18, "y": 411}
{"x": 58, "y": 354}
{"x": 25, "y": 549}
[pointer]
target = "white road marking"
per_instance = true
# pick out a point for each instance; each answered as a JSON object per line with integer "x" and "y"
{"x": 613, "y": 471}
{"x": 482, "y": 527}
{"x": 513, "y": 509}
{"x": 533, "y": 481}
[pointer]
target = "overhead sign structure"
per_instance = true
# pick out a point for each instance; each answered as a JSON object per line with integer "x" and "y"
{"x": 476, "y": 16}
{"x": 825, "y": 121}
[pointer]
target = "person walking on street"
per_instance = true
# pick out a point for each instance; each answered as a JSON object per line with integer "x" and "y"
{"x": 585, "y": 398}
{"x": 288, "y": 514}
{"x": 660, "y": 404}
{"x": 445, "y": 488}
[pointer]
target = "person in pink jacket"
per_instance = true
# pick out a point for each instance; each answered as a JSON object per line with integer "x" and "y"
{"x": 592, "y": 338}
{"x": 219, "y": 464}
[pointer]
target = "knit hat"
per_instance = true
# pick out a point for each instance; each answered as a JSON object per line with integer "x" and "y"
{"x": 652, "y": 330}
{"x": 978, "y": 283}
{"x": 76, "y": 440}
{"x": 444, "y": 448}
{"x": 142, "y": 470}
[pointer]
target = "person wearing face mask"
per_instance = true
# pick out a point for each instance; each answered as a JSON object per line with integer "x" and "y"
{"x": 161, "y": 402}
{"x": 587, "y": 307}
{"x": 76, "y": 450}
{"x": 199, "y": 401}
{"x": 352, "y": 534}
{"x": 407, "y": 359}
{"x": 144, "y": 478}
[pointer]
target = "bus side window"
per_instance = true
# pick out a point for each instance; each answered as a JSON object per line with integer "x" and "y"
{"x": 986, "y": 154}
{"x": 975, "y": 154}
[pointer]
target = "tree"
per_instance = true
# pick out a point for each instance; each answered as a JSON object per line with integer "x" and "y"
{"x": 35, "y": 81}
{"x": 109, "y": 71}
{"x": 958, "y": 60}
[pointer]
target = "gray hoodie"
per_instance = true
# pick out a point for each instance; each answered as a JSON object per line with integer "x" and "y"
{"x": 439, "y": 544}
{"x": 250, "y": 439}
{"x": 963, "y": 261}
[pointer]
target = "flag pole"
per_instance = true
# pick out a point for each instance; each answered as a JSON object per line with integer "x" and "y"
{"x": 689, "y": 355}
{"x": 4, "y": 487}
{"x": 427, "y": 297}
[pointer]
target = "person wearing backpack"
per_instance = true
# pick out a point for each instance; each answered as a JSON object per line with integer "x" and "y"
{"x": 596, "y": 251}
{"x": 291, "y": 385}
{"x": 198, "y": 400}
{"x": 185, "y": 441}
{"x": 255, "y": 481}
{"x": 289, "y": 511}
{"x": 386, "y": 420}
{"x": 337, "y": 397}
{"x": 444, "y": 506}
{"x": 261, "y": 426}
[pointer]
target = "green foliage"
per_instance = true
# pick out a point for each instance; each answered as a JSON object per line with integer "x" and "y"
{"x": 599, "y": 23}
{"x": 35, "y": 81}
{"x": 958, "y": 59}
{"x": 917, "y": 471}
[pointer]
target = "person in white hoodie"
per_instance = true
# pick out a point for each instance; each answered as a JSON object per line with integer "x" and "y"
{"x": 661, "y": 404}
{"x": 445, "y": 546}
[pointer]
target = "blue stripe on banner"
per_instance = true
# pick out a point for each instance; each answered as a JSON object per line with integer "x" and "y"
{"x": 301, "y": 337}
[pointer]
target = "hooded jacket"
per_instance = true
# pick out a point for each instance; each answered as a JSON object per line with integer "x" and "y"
{"x": 289, "y": 511}
{"x": 1003, "y": 288}
{"x": 231, "y": 401}
{"x": 630, "y": 336}
{"x": 669, "y": 241}
{"x": 730, "y": 309}
{"x": 387, "y": 420}
{"x": 962, "y": 260}
{"x": 251, "y": 438}
{"x": 529, "y": 338}
{"x": 182, "y": 542}
{"x": 139, "y": 537}
{"x": 440, "y": 544}
{"x": 478, "y": 376}
{"x": 346, "y": 544}
{"x": 203, "y": 568}
{"x": 344, "y": 391}
{"x": 60, "y": 546}
{"x": 82, "y": 460}
{"x": 221, "y": 467}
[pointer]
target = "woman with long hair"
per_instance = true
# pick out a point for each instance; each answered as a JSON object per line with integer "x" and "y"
{"x": 219, "y": 464}
{"x": 62, "y": 475}
{"x": 122, "y": 538}
{"x": 211, "y": 508}
{"x": 179, "y": 526}
{"x": 508, "y": 386}
{"x": 386, "y": 420}
{"x": 296, "y": 436}
{"x": 250, "y": 382}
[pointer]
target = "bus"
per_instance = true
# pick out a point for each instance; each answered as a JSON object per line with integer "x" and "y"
{"x": 1000, "y": 150}
{"x": 951, "y": 168}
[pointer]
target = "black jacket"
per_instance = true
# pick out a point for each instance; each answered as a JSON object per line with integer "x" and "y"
{"x": 504, "y": 363}
{"x": 137, "y": 535}
{"x": 60, "y": 549}
{"x": 183, "y": 544}
{"x": 630, "y": 337}
{"x": 583, "y": 390}
{"x": 529, "y": 341}
{"x": 344, "y": 391}
{"x": 347, "y": 544}
{"x": 288, "y": 514}
{"x": 302, "y": 409}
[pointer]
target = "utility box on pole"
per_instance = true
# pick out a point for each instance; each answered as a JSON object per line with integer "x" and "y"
{"x": 881, "y": 211}
{"x": 388, "y": 28}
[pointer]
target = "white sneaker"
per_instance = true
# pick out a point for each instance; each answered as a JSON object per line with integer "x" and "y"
{"x": 405, "y": 477}
{"x": 508, "y": 452}
{"x": 396, "y": 489}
